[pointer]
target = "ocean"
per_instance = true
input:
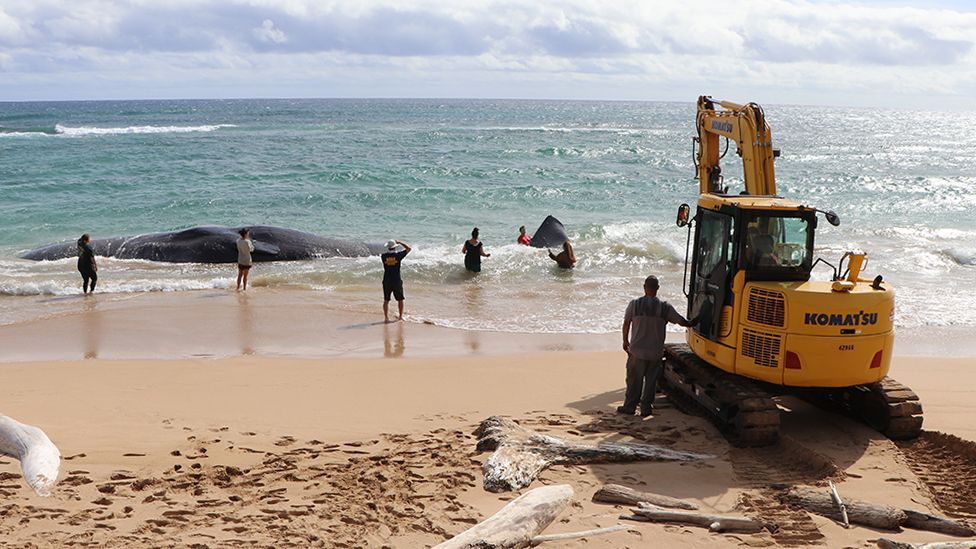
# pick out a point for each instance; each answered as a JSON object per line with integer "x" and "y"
{"x": 428, "y": 171}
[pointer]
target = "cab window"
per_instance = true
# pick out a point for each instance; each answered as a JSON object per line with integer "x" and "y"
{"x": 777, "y": 243}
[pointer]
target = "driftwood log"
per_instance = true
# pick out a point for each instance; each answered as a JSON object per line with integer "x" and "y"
{"x": 39, "y": 458}
{"x": 583, "y": 534}
{"x": 615, "y": 493}
{"x": 514, "y": 526}
{"x": 715, "y": 523}
{"x": 873, "y": 515}
{"x": 932, "y": 523}
{"x": 885, "y": 543}
{"x": 876, "y": 515}
{"x": 520, "y": 454}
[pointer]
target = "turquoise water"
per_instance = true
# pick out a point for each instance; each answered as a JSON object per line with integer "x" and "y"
{"x": 426, "y": 171}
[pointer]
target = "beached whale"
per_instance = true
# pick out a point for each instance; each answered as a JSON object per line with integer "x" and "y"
{"x": 551, "y": 234}
{"x": 39, "y": 458}
{"x": 212, "y": 244}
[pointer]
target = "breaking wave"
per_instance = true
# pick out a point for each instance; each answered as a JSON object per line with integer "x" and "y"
{"x": 94, "y": 130}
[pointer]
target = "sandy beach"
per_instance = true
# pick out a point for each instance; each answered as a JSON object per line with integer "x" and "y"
{"x": 353, "y": 449}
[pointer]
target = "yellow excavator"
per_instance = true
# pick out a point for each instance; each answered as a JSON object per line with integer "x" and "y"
{"x": 765, "y": 327}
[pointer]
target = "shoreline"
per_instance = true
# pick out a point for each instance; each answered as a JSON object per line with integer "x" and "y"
{"x": 291, "y": 323}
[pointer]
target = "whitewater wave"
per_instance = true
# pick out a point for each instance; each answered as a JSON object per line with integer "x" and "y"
{"x": 569, "y": 129}
{"x": 80, "y": 131}
{"x": 963, "y": 257}
{"x": 94, "y": 130}
{"x": 64, "y": 288}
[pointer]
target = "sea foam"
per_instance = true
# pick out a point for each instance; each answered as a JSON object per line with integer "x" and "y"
{"x": 94, "y": 130}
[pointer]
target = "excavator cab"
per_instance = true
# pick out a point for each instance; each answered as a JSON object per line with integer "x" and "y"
{"x": 761, "y": 244}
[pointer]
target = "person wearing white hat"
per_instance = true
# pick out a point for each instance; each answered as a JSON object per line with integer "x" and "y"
{"x": 392, "y": 283}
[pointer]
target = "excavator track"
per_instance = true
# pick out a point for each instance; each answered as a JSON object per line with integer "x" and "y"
{"x": 744, "y": 412}
{"x": 886, "y": 406}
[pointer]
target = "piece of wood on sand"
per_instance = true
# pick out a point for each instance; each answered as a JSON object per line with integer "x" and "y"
{"x": 932, "y": 523}
{"x": 715, "y": 523}
{"x": 615, "y": 493}
{"x": 520, "y": 454}
{"x": 885, "y": 543}
{"x": 517, "y": 523}
{"x": 874, "y": 515}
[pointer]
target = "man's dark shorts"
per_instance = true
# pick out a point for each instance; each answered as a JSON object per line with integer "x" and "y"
{"x": 395, "y": 288}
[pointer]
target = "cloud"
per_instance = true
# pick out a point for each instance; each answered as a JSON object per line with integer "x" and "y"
{"x": 504, "y": 47}
{"x": 269, "y": 33}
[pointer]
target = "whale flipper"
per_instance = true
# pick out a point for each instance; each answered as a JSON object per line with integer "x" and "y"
{"x": 265, "y": 248}
{"x": 551, "y": 234}
{"x": 39, "y": 458}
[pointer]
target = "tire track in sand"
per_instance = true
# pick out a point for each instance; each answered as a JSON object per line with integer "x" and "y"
{"x": 946, "y": 464}
{"x": 769, "y": 468}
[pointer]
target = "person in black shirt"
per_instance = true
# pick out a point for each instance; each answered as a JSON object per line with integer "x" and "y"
{"x": 473, "y": 251}
{"x": 392, "y": 283}
{"x": 86, "y": 263}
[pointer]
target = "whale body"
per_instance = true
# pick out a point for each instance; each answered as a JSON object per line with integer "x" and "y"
{"x": 213, "y": 244}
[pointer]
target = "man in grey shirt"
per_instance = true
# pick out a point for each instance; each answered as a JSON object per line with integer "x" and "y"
{"x": 644, "y": 330}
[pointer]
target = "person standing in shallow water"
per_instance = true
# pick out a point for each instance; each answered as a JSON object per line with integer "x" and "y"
{"x": 644, "y": 332}
{"x": 392, "y": 282}
{"x": 566, "y": 258}
{"x": 244, "y": 260}
{"x": 86, "y": 264}
{"x": 523, "y": 238}
{"x": 473, "y": 251}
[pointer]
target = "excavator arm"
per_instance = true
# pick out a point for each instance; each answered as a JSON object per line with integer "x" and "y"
{"x": 746, "y": 126}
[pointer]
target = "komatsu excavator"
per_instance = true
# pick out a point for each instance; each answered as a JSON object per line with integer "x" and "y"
{"x": 765, "y": 327}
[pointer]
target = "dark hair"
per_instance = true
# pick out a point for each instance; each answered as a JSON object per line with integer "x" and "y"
{"x": 651, "y": 282}
{"x": 474, "y": 233}
{"x": 84, "y": 238}
{"x": 522, "y": 227}
{"x": 243, "y": 231}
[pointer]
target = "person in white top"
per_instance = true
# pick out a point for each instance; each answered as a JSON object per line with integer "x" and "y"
{"x": 244, "y": 261}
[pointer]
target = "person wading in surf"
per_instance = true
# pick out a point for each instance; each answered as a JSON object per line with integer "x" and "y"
{"x": 566, "y": 258}
{"x": 392, "y": 283}
{"x": 473, "y": 251}
{"x": 244, "y": 261}
{"x": 86, "y": 264}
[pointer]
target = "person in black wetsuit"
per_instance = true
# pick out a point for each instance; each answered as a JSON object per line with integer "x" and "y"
{"x": 392, "y": 283}
{"x": 473, "y": 251}
{"x": 86, "y": 264}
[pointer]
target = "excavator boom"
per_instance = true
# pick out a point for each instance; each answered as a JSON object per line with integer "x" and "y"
{"x": 746, "y": 126}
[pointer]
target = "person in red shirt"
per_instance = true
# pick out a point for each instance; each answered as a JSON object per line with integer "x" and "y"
{"x": 523, "y": 238}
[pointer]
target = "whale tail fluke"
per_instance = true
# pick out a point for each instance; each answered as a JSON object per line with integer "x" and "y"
{"x": 39, "y": 458}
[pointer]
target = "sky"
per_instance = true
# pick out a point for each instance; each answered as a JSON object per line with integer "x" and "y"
{"x": 895, "y": 54}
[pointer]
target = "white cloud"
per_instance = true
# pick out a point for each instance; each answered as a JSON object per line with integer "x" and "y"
{"x": 267, "y": 32}
{"x": 828, "y": 51}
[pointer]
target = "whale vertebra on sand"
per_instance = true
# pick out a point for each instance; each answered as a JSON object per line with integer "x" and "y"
{"x": 212, "y": 244}
{"x": 39, "y": 458}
